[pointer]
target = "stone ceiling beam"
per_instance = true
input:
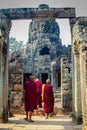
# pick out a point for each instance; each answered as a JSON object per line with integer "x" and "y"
{"x": 35, "y": 13}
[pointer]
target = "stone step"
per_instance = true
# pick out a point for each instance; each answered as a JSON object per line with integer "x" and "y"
{"x": 57, "y": 94}
{"x": 78, "y": 127}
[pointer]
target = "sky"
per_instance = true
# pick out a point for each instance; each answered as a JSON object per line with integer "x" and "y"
{"x": 19, "y": 29}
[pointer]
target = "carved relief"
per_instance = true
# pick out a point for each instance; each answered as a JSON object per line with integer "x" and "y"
{"x": 83, "y": 47}
{"x": 5, "y": 25}
{"x": 2, "y": 42}
{"x": 76, "y": 47}
{"x": 84, "y": 58}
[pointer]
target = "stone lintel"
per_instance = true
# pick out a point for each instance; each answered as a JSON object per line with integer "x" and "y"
{"x": 82, "y": 21}
{"x": 35, "y": 13}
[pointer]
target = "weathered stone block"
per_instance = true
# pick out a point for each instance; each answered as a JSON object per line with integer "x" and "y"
{"x": 16, "y": 99}
{"x": 18, "y": 87}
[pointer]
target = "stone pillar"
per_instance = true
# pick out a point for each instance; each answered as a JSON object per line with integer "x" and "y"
{"x": 4, "y": 35}
{"x": 54, "y": 75}
{"x": 1, "y": 84}
{"x": 77, "y": 108}
{"x": 66, "y": 84}
{"x": 83, "y": 62}
{"x": 76, "y": 69}
{"x": 72, "y": 22}
{"x": 77, "y": 89}
{"x": 73, "y": 85}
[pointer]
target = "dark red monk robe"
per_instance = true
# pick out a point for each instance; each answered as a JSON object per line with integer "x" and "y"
{"x": 39, "y": 92}
{"x": 30, "y": 96}
{"x": 48, "y": 98}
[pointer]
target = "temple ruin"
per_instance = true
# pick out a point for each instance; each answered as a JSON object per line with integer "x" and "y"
{"x": 77, "y": 88}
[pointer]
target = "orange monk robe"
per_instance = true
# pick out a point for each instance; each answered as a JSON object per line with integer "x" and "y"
{"x": 43, "y": 92}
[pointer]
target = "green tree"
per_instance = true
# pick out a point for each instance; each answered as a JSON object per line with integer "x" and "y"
{"x": 15, "y": 45}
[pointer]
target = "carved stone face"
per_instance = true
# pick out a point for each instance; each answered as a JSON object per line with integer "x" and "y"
{"x": 43, "y": 27}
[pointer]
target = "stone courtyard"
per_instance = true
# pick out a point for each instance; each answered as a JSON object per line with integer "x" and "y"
{"x": 61, "y": 120}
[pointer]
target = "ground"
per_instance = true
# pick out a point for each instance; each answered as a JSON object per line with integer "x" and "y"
{"x": 61, "y": 120}
{"x": 57, "y": 122}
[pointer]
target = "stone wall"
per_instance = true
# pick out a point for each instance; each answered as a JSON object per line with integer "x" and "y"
{"x": 15, "y": 82}
{"x": 66, "y": 84}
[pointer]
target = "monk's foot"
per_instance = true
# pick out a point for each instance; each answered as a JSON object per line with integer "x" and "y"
{"x": 46, "y": 117}
{"x": 11, "y": 115}
{"x": 50, "y": 116}
{"x": 30, "y": 120}
{"x": 26, "y": 119}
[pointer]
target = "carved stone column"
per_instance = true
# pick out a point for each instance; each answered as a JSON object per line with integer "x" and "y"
{"x": 1, "y": 84}
{"x": 76, "y": 72}
{"x": 66, "y": 84}
{"x": 4, "y": 36}
{"x": 72, "y": 22}
{"x": 83, "y": 62}
{"x": 77, "y": 92}
{"x": 54, "y": 75}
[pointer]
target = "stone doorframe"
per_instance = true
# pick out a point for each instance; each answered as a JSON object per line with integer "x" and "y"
{"x": 79, "y": 66}
{"x": 6, "y": 15}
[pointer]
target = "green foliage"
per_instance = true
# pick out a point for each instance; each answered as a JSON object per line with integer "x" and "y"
{"x": 15, "y": 45}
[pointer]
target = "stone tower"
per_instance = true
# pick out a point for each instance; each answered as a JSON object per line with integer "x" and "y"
{"x": 44, "y": 49}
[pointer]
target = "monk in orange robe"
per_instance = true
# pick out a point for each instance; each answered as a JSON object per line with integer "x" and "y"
{"x": 43, "y": 85}
{"x": 39, "y": 93}
{"x": 30, "y": 97}
{"x": 48, "y": 99}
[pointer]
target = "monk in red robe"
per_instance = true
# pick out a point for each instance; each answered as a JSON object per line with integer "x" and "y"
{"x": 39, "y": 93}
{"x": 48, "y": 99}
{"x": 30, "y": 97}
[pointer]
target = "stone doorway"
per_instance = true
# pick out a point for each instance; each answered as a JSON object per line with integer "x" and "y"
{"x": 44, "y": 76}
{"x": 79, "y": 54}
{"x": 44, "y": 12}
{"x": 26, "y": 77}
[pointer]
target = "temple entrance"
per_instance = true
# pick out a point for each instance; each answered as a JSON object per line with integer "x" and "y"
{"x": 26, "y": 77}
{"x": 44, "y": 76}
{"x": 49, "y": 13}
{"x": 22, "y": 13}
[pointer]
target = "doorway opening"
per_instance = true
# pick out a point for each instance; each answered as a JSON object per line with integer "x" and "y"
{"x": 26, "y": 77}
{"x": 44, "y": 77}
